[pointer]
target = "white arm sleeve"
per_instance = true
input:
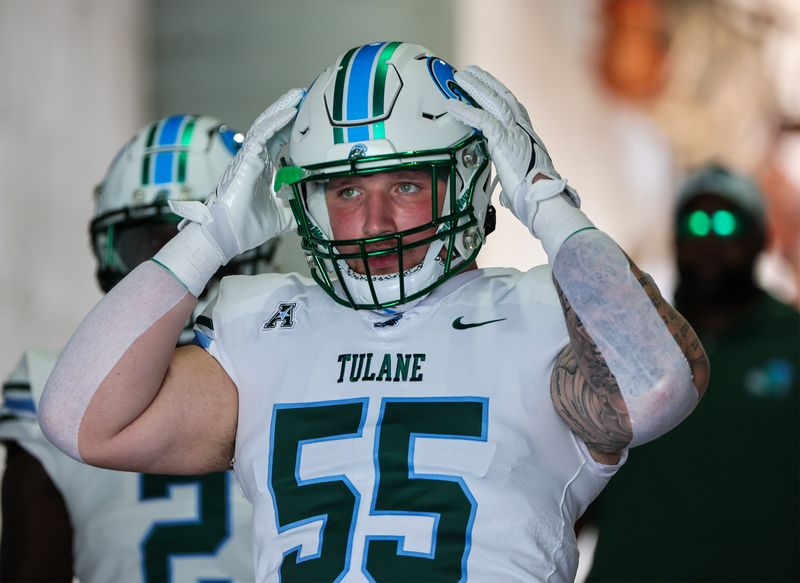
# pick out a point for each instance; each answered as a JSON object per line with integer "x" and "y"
{"x": 107, "y": 332}
{"x": 650, "y": 369}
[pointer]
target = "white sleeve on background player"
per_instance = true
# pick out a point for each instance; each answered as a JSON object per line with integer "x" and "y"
{"x": 18, "y": 421}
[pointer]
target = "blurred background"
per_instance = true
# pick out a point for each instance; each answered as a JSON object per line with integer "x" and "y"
{"x": 628, "y": 95}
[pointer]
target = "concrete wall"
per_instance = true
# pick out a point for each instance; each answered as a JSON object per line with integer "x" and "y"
{"x": 232, "y": 59}
{"x": 72, "y": 90}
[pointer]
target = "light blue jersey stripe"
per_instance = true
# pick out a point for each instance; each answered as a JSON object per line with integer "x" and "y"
{"x": 165, "y": 161}
{"x": 358, "y": 90}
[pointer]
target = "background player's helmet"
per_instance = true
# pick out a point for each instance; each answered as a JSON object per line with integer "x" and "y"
{"x": 175, "y": 158}
{"x": 382, "y": 107}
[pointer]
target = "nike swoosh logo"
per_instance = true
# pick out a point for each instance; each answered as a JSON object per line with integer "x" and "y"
{"x": 459, "y": 325}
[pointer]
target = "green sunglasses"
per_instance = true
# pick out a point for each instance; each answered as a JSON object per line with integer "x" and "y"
{"x": 722, "y": 223}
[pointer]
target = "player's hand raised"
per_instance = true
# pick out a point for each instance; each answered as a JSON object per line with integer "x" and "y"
{"x": 523, "y": 164}
{"x": 243, "y": 211}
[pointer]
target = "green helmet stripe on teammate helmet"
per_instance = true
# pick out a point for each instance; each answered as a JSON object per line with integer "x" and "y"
{"x": 186, "y": 139}
{"x": 164, "y": 133}
{"x": 151, "y": 135}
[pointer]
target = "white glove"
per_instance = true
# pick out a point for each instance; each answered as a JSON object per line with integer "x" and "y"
{"x": 243, "y": 211}
{"x": 519, "y": 157}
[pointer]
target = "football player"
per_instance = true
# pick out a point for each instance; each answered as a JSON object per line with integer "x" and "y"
{"x": 405, "y": 416}
{"x": 62, "y": 518}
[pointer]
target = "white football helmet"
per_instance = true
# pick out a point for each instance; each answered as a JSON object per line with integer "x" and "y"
{"x": 180, "y": 157}
{"x": 382, "y": 107}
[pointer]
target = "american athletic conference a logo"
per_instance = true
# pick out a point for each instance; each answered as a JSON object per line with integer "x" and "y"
{"x": 282, "y": 318}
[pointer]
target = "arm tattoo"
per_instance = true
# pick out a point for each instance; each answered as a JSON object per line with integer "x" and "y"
{"x": 583, "y": 388}
{"x": 585, "y": 391}
{"x": 679, "y": 328}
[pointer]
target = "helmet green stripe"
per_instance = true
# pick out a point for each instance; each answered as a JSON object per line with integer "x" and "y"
{"x": 186, "y": 139}
{"x": 338, "y": 94}
{"x": 379, "y": 89}
{"x": 151, "y": 135}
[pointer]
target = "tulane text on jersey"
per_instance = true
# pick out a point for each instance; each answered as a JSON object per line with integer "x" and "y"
{"x": 392, "y": 368}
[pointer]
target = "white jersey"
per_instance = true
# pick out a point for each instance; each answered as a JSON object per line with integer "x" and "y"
{"x": 133, "y": 527}
{"x": 420, "y": 446}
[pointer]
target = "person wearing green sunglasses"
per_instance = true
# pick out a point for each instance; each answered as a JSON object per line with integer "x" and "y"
{"x": 717, "y": 499}
{"x": 719, "y": 235}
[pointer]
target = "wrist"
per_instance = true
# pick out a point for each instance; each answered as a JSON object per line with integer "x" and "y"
{"x": 557, "y": 219}
{"x": 191, "y": 258}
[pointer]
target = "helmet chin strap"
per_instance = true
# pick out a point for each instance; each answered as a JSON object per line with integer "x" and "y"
{"x": 387, "y": 287}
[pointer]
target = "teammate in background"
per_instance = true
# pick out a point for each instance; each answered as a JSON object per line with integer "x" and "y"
{"x": 717, "y": 499}
{"x": 408, "y": 417}
{"x": 62, "y": 518}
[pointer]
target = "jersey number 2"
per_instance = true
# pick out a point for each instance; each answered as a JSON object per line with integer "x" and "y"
{"x": 202, "y": 536}
{"x": 399, "y": 490}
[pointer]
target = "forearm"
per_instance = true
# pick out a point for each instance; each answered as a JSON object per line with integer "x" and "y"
{"x": 643, "y": 366}
{"x": 120, "y": 351}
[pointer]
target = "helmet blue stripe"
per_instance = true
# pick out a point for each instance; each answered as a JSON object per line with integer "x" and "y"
{"x": 20, "y": 404}
{"x": 163, "y": 170}
{"x": 358, "y": 89}
{"x": 165, "y": 161}
{"x": 358, "y": 134}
